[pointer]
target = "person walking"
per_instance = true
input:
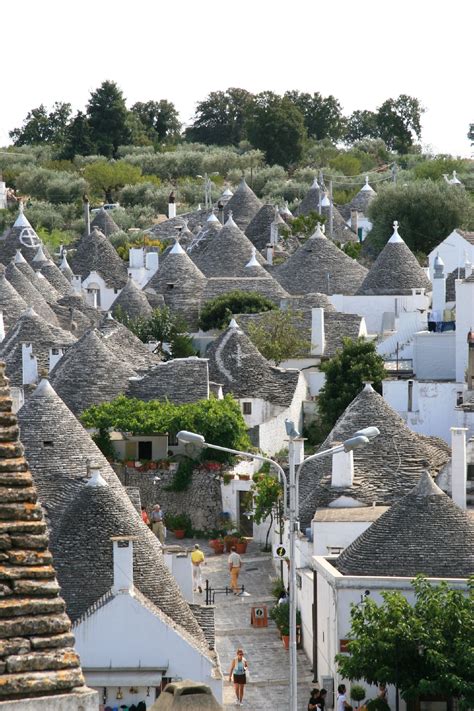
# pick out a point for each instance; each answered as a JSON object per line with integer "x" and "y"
{"x": 342, "y": 703}
{"x": 157, "y": 525}
{"x": 313, "y": 700}
{"x": 238, "y": 674}
{"x": 145, "y": 518}
{"x": 197, "y": 559}
{"x": 235, "y": 563}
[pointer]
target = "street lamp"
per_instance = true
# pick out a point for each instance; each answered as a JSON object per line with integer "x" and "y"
{"x": 360, "y": 439}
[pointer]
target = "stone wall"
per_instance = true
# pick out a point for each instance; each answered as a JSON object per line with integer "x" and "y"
{"x": 202, "y": 501}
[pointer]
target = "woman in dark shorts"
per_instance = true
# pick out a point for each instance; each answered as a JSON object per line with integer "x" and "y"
{"x": 238, "y": 676}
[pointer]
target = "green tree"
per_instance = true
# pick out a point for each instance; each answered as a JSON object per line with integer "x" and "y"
{"x": 106, "y": 177}
{"x": 322, "y": 115}
{"x": 346, "y": 373}
{"x": 424, "y": 649}
{"x": 220, "y": 118}
{"x": 267, "y": 492}
{"x": 435, "y": 168}
{"x": 303, "y": 226}
{"x": 218, "y": 312}
{"x": 427, "y": 212}
{"x": 219, "y": 421}
{"x": 107, "y": 116}
{"x": 360, "y": 125}
{"x": 470, "y": 135}
{"x": 41, "y": 127}
{"x": 163, "y": 327}
{"x": 276, "y": 126}
{"x": 277, "y": 335}
{"x": 160, "y": 119}
{"x": 77, "y": 139}
{"x": 399, "y": 121}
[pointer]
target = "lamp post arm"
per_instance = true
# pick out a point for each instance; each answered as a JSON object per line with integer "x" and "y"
{"x": 260, "y": 458}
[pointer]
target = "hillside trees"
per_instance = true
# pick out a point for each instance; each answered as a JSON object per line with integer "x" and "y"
{"x": 276, "y": 126}
{"x": 322, "y": 115}
{"x": 220, "y": 118}
{"x": 107, "y": 116}
{"x": 41, "y": 126}
{"x": 159, "y": 119}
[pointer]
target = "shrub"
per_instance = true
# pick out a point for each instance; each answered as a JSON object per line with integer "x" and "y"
{"x": 183, "y": 476}
{"x": 218, "y": 312}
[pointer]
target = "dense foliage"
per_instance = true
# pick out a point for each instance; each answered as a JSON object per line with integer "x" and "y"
{"x": 278, "y": 336}
{"x": 426, "y": 212}
{"x": 219, "y": 421}
{"x": 425, "y": 649}
{"x": 267, "y": 492}
{"x": 218, "y": 312}
{"x": 162, "y": 326}
{"x": 346, "y": 372}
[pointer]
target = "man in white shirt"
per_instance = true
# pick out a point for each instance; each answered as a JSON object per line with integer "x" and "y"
{"x": 342, "y": 704}
{"x": 235, "y": 562}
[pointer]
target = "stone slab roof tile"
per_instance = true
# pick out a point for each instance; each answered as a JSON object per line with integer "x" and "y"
{"x": 94, "y": 252}
{"x": 133, "y": 301}
{"x": 30, "y": 294}
{"x": 243, "y": 205}
{"x": 36, "y": 644}
{"x": 181, "y": 380}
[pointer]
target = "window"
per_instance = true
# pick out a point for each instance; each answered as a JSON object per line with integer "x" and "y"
{"x": 335, "y": 550}
{"x": 170, "y": 286}
{"x": 410, "y": 396}
{"x": 48, "y": 443}
{"x": 247, "y": 408}
{"x": 459, "y": 398}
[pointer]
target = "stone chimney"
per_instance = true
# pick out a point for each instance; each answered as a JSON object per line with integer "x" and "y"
{"x": 354, "y": 221}
{"x": 458, "y": 466}
{"x": 55, "y": 355}
{"x": 29, "y": 365}
{"x": 123, "y": 564}
{"x": 318, "y": 340}
{"x": 87, "y": 215}
{"x": 439, "y": 286}
{"x": 270, "y": 251}
{"x": 342, "y": 475}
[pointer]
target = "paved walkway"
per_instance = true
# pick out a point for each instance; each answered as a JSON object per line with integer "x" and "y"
{"x": 268, "y": 686}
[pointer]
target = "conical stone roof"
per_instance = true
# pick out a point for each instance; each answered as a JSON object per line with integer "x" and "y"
{"x": 425, "y": 532}
{"x": 11, "y": 303}
{"x": 205, "y": 234}
{"x": 55, "y": 277}
{"x": 104, "y": 222}
{"x": 341, "y": 232}
{"x": 39, "y": 281}
{"x": 319, "y": 266}
{"x": 236, "y": 363}
{"x": 20, "y": 236}
{"x": 264, "y": 285}
{"x": 364, "y": 197}
{"x": 89, "y": 373}
{"x": 310, "y": 202}
{"x": 125, "y": 345}
{"x": 30, "y": 295}
{"x": 259, "y": 229}
{"x": 395, "y": 271}
{"x": 243, "y": 205}
{"x": 60, "y": 470}
{"x": 385, "y": 470}
{"x": 32, "y": 329}
{"x": 181, "y": 284}
{"x": 132, "y": 301}
{"x": 94, "y": 252}
{"x": 227, "y": 253}
{"x": 38, "y": 657}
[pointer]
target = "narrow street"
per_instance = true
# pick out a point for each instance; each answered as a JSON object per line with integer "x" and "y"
{"x": 268, "y": 686}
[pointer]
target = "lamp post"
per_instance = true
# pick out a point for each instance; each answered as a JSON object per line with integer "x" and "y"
{"x": 290, "y": 486}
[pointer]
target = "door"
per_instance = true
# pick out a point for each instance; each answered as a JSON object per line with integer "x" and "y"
{"x": 245, "y": 506}
{"x": 144, "y": 450}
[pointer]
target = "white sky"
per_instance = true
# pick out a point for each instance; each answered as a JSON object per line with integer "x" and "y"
{"x": 362, "y": 51}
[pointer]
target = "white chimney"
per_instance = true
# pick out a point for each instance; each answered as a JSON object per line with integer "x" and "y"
{"x": 171, "y": 210}
{"x": 2, "y": 327}
{"x": 467, "y": 266}
{"x": 55, "y": 355}
{"x": 354, "y": 220}
{"x": 151, "y": 262}
{"x": 136, "y": 257}
{"x": 29, "y": 365}
{"x": 342, "y": 475}
{"x": 270, "y": 251}
{"x": 123, "y": 564}
{"x": 458, "y": 466}
{"x": 439, "y": 286}
{"x": 318, "y": 340}
{"x": 76, "y": 283}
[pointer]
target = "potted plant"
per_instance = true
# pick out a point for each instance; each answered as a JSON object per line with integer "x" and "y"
{"x": 280, "y": 614}
{"x": 227, "y": 478}
{"x": 218, "y": 546}
{"x": 180, "y": 524}
{"x": 244, "y": 477}
{"x": 241, "y": 545}
{"x": 230, "y": 540}
{"x": 357, "y": 693}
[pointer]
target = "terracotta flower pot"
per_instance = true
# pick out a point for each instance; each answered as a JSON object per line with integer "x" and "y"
{"x": 241, "y": 548}
{"x": 285, "y": 638}
{"x": 219, "y": 548}
{"x": 179, "y": 533}
{"x": 244, "y": 477}
{"x": 229, "y": 542}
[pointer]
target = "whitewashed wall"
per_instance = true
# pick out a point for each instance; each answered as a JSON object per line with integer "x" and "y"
{"x": 272, "y": 434}
{"x": 107, "y": 296}
{"x": 179, "y": 565}
{"x": 453, "y": 250}
{"x": 434, "y": 355}
{"x": 433, "y": 405}
{"x": 464, "y": 323}
{"x": 372, "y": 308}
{"x": 328, "y": 534}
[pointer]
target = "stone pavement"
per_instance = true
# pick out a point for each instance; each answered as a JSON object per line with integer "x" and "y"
{"x": 268, "y": 686}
